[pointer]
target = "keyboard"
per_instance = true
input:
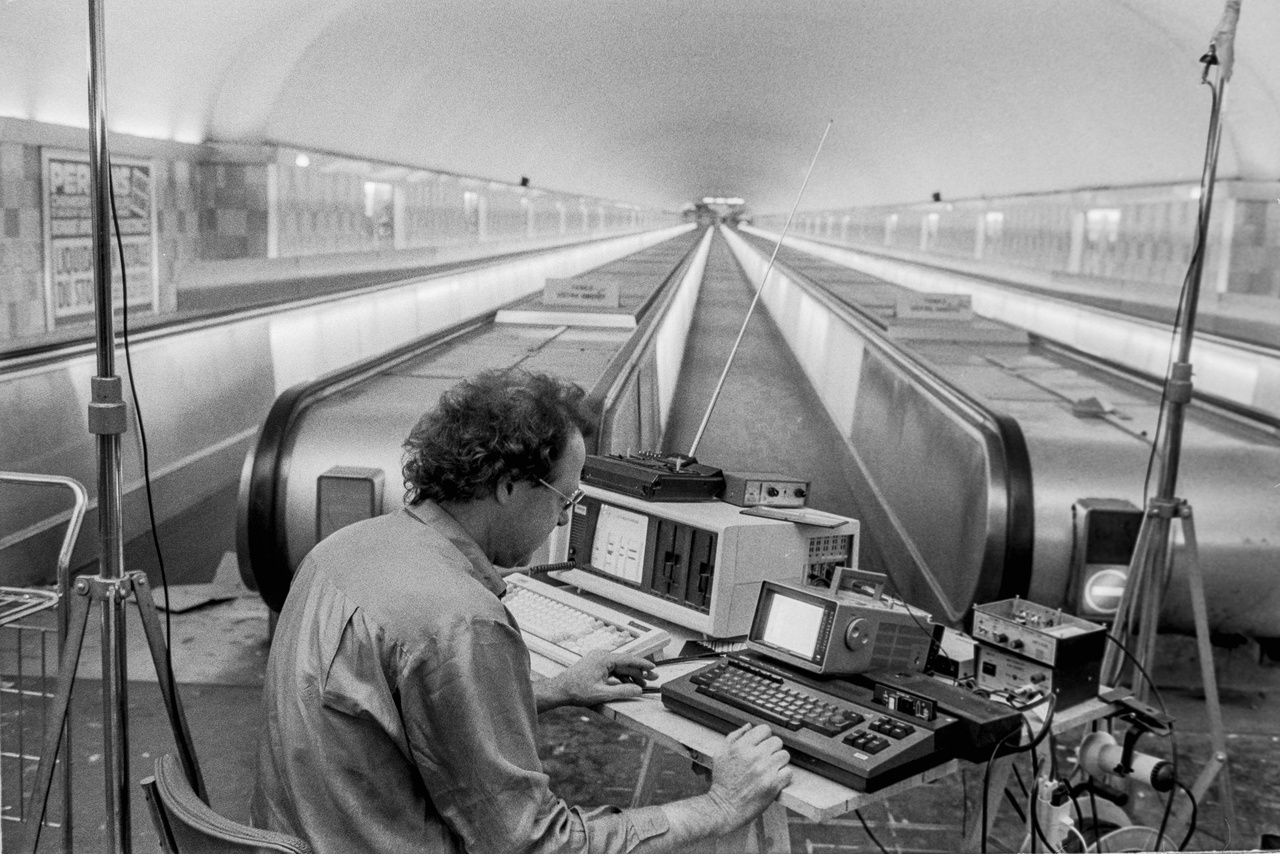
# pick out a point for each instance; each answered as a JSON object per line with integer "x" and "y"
{"x": 836, "y": 729}
{"x": 561, "y": 626}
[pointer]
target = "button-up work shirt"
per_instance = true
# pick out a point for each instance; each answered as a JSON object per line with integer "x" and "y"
{"x": 399, "y": 710}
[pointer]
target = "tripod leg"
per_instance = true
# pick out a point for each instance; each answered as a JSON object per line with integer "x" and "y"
{"x": 56, "y": 721}
{"x": 1217, "y": 765}
{"x": 1122, "y": 629}
{"x": 1159, "y": 565}
{"x": 168, "y": 689}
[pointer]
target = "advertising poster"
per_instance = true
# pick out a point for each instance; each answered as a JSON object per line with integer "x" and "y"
{"x": 68, "y": 229}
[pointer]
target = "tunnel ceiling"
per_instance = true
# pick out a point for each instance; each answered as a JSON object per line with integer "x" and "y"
{"x": 661, "y": 102}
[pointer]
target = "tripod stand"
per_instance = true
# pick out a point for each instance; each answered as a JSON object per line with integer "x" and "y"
{"x": 1138, "y": 616}
{"x": 112, "y": 587}
{"x": 111, "y": 594}
{"x": 1136, "y": 624}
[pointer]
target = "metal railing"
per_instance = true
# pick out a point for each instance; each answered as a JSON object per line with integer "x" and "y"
{"x": 26, "y": 684}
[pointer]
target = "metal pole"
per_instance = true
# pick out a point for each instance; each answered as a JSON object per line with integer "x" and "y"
{"x": 1179, "y": 383}
{"x": 107, "y": 420}
{"x": 1151, "y": 568}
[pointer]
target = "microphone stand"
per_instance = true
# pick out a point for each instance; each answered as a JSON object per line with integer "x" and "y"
{"x": 112, "y": 587}
{"x": 1138, "y": 615}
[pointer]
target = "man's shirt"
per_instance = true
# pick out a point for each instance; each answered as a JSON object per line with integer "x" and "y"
{"x": 399, "y": 710}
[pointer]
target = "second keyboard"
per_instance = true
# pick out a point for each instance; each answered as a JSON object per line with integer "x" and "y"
{"x": 839, "y": 733}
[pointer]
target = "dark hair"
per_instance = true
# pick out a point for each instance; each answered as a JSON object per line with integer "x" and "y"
{"x": 502, "y": 422}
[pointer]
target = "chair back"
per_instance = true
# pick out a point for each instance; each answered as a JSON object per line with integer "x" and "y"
{"x": 187, "y": 825}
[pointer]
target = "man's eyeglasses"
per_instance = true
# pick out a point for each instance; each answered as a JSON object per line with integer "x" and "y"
{"x": 569, "y": 500}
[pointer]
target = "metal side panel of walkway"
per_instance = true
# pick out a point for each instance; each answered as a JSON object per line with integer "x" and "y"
{"x": 767, "y": 417}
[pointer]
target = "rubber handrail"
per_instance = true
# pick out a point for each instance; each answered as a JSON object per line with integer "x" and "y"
{"x": 73, "y": 344}
{"x": 1253, "y": 417}
{"x": 261, "y": 535}
{"x": 1006, "y": 569}
{"x": 622, "y": 369}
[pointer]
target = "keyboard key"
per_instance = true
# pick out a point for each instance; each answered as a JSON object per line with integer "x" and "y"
{"x": 564, "y": 632}
{"x": 866, "y": 742}
{"x": 832, "y": 723}
{"x": 767, "y": 714}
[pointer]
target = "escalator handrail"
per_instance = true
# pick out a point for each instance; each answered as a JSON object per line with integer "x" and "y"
{"x": 261, "y": 535}
{"x": 1249, "y": 347}
{"x": 76, "y": 344}
{"x": 261, "y": 532}
{"x": 622, "y": 370}
{"x": 1006, "y": 569}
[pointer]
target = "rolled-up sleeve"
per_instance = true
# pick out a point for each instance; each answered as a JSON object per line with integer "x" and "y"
{"x": 471, "y": 725}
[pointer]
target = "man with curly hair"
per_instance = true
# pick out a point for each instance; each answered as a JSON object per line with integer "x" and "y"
{"x": 401, "y": 714}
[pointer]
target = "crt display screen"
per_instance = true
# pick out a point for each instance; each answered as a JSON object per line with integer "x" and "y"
{"x": 619, "y": 545}
{"x": 792, "y": 624}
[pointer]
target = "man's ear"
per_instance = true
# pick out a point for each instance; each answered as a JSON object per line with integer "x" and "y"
{"x": 505, "y": 489}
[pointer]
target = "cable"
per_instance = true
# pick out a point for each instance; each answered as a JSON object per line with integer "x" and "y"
{"x": 1075, "y": 802}
{"x": 1084, "y": 843}
{"x": 1167, "y": 436}
{"x": 986, "y": 784}
{"x": 1197, "y": 256}
{"x": 1155, "y": 692}
{"x": 1036, "y": 829}
{"x": 1168, "y": 806}
{"x": 680, "y": 659}
{"x": 1164, "y": 818}
{"x": 1093, "y": 808}
{"x": 1052, "y": 700}
{"x": 543, "y": 568}
{"x": 1195, "y": 815}
{"x": 897, "y": 593}
{"x": 142, "y": 431}
{"x": 865, "y": 827}
{"x": 1033, "y": 814}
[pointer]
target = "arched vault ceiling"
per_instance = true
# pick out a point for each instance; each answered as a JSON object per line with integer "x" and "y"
{"x": 662, "y": 101}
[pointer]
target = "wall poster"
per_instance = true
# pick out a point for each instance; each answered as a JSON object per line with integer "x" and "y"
{"x": 68, "y": 236}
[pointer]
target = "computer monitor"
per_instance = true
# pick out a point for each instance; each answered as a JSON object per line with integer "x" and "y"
{"x": 620, "y": 543}
{"x": 837, "y": 632}
{"x": 793, "y": 623}
{"x": 696, "y": 564}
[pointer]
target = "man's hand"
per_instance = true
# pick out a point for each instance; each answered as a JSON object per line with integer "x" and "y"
{"x": 748, "y": 774}
{"x": 597, "y": 677}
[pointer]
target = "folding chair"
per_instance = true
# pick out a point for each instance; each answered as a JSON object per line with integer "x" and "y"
{"x": 187, "y": 825}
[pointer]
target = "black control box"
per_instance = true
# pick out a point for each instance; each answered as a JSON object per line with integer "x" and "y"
{"x": 984, "y": 724}
{"x": 655, "y": 477}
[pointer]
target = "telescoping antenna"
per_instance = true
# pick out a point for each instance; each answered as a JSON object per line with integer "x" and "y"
{"x": 743, "y": 331}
